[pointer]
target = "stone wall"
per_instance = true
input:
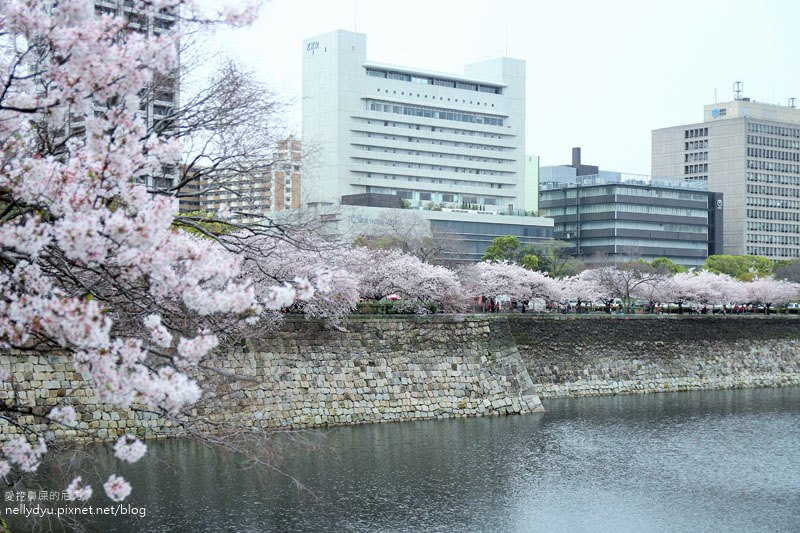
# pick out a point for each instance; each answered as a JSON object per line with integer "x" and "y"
{"x": 598, "y": 355}
{"x": 421, "y": 368}
{"x": 305, "y": 375}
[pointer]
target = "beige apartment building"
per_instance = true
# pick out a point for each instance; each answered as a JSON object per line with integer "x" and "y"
{"x": 250, "y": 196}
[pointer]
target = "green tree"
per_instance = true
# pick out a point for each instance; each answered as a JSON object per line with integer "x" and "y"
{"x": 529, "y": 261}
{"x": 555, "y": 257}
{"x": 502, "y": 249}
{"x": 742, "y": 267}
{"x": 203, "y": 224}
{"x": 788, "y": 270}
{"x": 663, "y": 264}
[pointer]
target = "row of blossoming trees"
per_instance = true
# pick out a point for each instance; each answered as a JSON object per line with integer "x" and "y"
{"x": 418, "y": 287}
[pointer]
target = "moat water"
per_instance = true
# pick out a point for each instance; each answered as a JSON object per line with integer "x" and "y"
{"x": 699, "y": 461}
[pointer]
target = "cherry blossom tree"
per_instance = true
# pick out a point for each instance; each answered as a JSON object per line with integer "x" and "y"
{"x": 623, "y": 281}
{"x": 90, "y": 262}
{"x": 582, "y": 289}
{"x": 769, "y": 291}
{"x": 293, "y": 261}
{"x": 498, "y": 280}
{"x": 417, "y": 285}
{"x": 704, "y": 288}
{"x": 658, "y": 289}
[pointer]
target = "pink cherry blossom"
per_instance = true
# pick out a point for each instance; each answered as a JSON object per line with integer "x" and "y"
{"x": 192, "y": 350}
{"x": 65, "y": 415}
{"x": 78, "y": 491}
{"x": 130, "y": 449}
{"x": 504, "y": 279}
{"x": 116, "y": 488}
{"x": 20, "y": 452}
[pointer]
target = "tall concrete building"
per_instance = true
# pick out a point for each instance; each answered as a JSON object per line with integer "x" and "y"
{"x": 449, "y": 140}
{"x": 750, "y": 152}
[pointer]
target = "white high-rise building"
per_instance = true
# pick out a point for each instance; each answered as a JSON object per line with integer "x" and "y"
{"x": 750, "y": 152}
{"x": 437, "y": 140}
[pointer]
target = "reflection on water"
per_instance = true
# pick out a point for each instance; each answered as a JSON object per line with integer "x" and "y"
{"x": 700, "y": 461}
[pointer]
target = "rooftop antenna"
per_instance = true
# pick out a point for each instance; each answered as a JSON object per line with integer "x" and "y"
{"x": 792, "y": 102}
{"x": 737, "y": 90}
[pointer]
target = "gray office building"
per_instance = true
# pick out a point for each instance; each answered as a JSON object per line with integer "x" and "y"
{"x": 612, "y": 217}
{"x": 750, "y": 152}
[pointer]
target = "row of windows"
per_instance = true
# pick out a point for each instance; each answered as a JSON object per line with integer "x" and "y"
{"x": 773, "y": 178}
{"x": 436, "y": 142}
{"x": 645, "y": 243}
{"x": 421, "y": 140}
{"x": 435, "y": 129}
{"x": 775, "y": 167}
{"x": 697, "y": 132}
{"x": 628, "y": 208}
{"x": 432, "y": 97}
{"x": 237, "y": 202}
{"x": 492, "y": 230}
{"x": 701, "y": 229}
{"x": 772, "y": 227}
{"x": 434, "y": 112}
{"x": 773, "y": 191}
{"x": 138, "y": 20}
{"x": 763, "y": 214}
{"x": 436, "y": 168}
{"x": 694, "y": 169}
{"x": 660, "y": 193}
{"x": 773, "y": 130}
{"x": 772, "y": 202}
{"x": 773, "y": 239}
{"x": 772, "y": 141}
{"x": 163, "y": 183}
{"x": 696, "y": 145}
{"x": 429, "y": 80}
{"x": 434, "y": 155}
{"x": 642, "y": 192}
{"x": 428, "y": 196}
{"x": 439, "y": 181}
{"x": 768, "y": 251}
{"x": 697, "y": 156}
{"x": 773, "y": 154}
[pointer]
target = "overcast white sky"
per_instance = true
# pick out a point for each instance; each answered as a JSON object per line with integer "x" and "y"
{"x": 601, "y": 74}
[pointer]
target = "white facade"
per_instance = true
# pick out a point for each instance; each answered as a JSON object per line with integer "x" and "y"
{"x": 441, "y": 140}
{"x": 750, "y": 152}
